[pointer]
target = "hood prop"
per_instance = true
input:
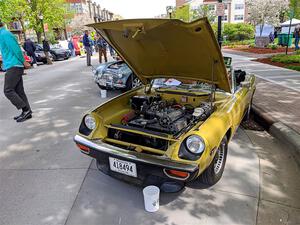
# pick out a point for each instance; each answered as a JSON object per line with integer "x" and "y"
{"x": 213, "y": 86}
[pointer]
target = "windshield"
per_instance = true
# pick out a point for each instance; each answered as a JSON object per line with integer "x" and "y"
{"x": 189, "y": 85}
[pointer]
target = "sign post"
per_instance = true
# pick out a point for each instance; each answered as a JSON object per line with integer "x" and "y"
{"x": 220, "y": 12}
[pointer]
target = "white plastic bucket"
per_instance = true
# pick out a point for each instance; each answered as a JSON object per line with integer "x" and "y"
{"x": 103, "y": 93}
{"x": 151, "y": 198}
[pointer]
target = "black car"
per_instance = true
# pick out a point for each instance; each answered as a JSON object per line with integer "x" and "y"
{"x": 59, "y": 53}
{"x": 40, "y": 54}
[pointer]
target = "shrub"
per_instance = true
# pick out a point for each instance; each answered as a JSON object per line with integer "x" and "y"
{"x": 286, "y": 58}
{"x": 238, "y": 32}
{"x": 272, "y": 46}
{"x": 297, "y": 68}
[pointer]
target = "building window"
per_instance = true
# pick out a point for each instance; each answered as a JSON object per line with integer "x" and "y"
{"x": 224, "y": 18}
{"x": 225, "y": 6}
{"x": 211, "y": 7}
{"x": 76, "y": 7}
{"x": 239, "y": 6}
{"x": 238, "y": 17}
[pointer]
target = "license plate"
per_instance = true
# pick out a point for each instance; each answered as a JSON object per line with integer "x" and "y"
{"x": 121, "y": 166}
{"x": 102, "y": 82}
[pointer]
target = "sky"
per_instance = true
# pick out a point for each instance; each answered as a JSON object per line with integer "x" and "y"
{"x": 129, "y": 9}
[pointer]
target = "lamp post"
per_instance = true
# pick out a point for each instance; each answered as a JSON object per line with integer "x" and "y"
{"x": 41, "y": 17}
{"x": 169, "y": 11}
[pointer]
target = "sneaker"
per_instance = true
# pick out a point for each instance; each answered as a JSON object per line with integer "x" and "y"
{"x": 16, "y": 117}
{"x": 24, "y": 116}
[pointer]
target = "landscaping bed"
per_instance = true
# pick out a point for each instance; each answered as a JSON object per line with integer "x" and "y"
{"x": 260, "y": 50}
{"x": 286, "y": 61}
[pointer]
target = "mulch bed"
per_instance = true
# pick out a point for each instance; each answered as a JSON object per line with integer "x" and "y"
{"x": 279, "y": 64}
{"x": 261, "y": 50}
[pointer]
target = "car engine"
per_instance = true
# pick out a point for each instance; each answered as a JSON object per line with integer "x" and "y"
{"x": 166, "y": 116}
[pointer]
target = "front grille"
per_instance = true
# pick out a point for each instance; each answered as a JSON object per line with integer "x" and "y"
{"x": 138, "y": 139}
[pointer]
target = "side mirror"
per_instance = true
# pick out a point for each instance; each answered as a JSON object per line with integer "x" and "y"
{"x": 245, "y": 84}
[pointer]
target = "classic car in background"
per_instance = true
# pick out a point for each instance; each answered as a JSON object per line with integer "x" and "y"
{"x": 175, "y": 128}
{"x": 115, "y": 75}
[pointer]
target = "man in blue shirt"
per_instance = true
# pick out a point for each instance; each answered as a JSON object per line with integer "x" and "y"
{"x": 13, "y": 61}
{"x": 87, "y": 45}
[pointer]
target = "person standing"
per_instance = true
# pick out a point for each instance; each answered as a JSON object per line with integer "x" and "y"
{"x": 71, "y": 47}
{"x": 14, "y": 63}
{"x": 87, "y": 46}
{"x": 29, "y": 47}
{"x": 111, "y": 50}
{"x": 46, "y": 48}
{"x": 101, "y": 44}
{"x": 297, "y": 37}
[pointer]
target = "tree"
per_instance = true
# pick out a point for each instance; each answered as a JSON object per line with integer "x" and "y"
{"x": 203, "y": 11}
{"x": 263, "y": 12}
{"x": 182, "y": 13}
{"x": 77, "y": 24}
{"x": 295, "y": 8}
{"x": 52, "y": 11}
{"x": 13, "y": 10}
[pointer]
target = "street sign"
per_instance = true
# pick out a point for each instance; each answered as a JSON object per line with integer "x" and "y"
{"x": 220, "y": 9}
{"x": 46, "y": 29}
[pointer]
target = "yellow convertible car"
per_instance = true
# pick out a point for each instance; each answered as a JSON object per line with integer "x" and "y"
{"x": 176, "y": 127}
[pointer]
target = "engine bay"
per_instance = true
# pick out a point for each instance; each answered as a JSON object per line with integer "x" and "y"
{"x": 153, "y": 113}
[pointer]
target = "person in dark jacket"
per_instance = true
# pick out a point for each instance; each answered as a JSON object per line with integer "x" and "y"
{"x": 14, "y": 63}
{"x": 46, "y": 48}
{"x": 87, "y": 45}
{"x": 29, "y": 47}
{"x": 101, "y": 44}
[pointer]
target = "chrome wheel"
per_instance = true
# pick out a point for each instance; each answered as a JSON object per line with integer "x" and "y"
{"x": 136, "y": 82}
{"x": 219, "y": 158}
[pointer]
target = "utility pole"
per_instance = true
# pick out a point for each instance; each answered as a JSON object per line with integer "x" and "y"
{"x": 220, "y": 27}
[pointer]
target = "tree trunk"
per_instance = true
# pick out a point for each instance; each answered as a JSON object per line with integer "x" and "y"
{"x": 39, "y": 36}
{"x": 23, "y": 28}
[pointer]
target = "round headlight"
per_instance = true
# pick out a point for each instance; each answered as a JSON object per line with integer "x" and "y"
{"x": 120, "y": 75}
{"x": 90, "y": 122}
{"x": 195, "y": 144}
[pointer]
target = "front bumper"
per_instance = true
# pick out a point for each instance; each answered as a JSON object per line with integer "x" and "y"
{"x": 150, "y": 168}
{"x": 111, "y": 83}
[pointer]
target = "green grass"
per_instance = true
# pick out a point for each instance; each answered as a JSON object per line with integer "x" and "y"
{"x": 286, "y": 59}
{"x": 297, "y": 68}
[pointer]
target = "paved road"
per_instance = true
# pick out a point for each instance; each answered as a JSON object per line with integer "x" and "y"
{"x": 44, "y": 179}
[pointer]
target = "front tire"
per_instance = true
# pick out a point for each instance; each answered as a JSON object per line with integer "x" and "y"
{"x": 132, "y": 82}
{"x": 214, "y": 171}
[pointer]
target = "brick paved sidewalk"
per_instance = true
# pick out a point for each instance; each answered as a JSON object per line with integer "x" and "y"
{"x": 278, "y": 102}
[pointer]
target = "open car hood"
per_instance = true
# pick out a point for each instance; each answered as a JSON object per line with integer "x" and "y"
{"x": 163, "y": 48}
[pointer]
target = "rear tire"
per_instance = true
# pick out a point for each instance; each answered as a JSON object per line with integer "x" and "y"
{"x": 214, "y": 171}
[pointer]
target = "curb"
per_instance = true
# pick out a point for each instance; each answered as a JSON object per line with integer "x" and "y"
{"x": 279, "y": 130}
